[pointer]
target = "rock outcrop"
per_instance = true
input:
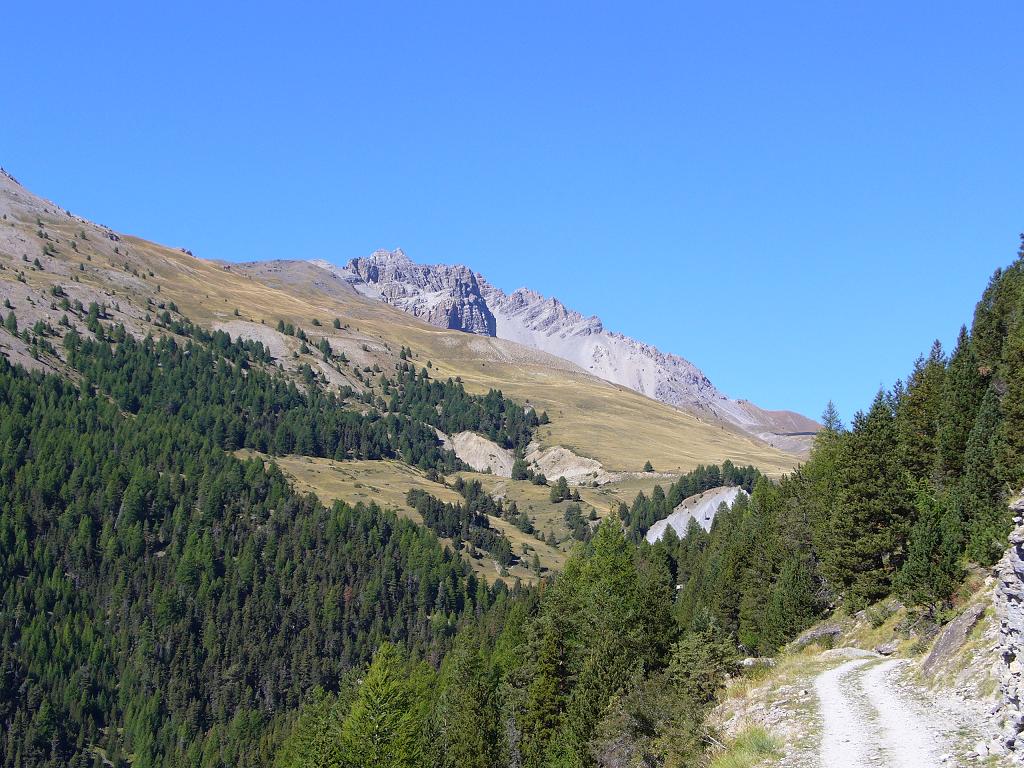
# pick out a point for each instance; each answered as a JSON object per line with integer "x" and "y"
{"x": 442, "y": 295}
{"x": 952, "y": 638}
{"x": 457, "y": 298}
{"x": 481, "y": 454}
{"x": 1009, "y": 606}
{"x": 485, "y": 455}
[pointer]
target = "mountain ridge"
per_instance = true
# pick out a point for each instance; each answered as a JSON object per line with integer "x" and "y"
{"x": 133, "y": 279}
{"x": 458, "y": 298}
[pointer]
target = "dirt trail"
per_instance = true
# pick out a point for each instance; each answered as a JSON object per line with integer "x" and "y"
{"x": 846, "y": 736}
{"x": 873, "y": 717}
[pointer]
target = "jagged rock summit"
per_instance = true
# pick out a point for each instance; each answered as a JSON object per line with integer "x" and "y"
{"x": 455, "y": 297}
{"x": 445, "y": 296}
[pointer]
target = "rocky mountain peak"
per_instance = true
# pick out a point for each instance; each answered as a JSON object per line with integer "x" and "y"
{"x": 541, "y": 313}
{"x": 444, "y": 295}
{"x": 455, "y": 297}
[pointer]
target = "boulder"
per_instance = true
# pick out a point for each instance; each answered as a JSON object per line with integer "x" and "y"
{"x": 752, "y": 662}
{"x": 826, "y": 632}
{"x": 887, "y": 649}
{"x": 952, "y": 638}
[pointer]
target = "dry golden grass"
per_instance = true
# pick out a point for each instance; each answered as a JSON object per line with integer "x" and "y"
{"x": 386, "y": 483}
{"x": 616, "y": 426}
{"x": 620, "y": 428}
{"x": 550, "y": 518}
{"x": 382, "y": 482}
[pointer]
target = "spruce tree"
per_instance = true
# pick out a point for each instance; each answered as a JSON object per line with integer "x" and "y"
{"x": 869, "y": 527}
{"x": 985, "y": 516}
{"x": 793, "y": 604}
{"x": 384, "y": 728}
{"x": 830, "y": 420}
{"x": 315, "y": 739}
{"x": 962, "y": 393}
{"x": 545, "y": 697}
{"x": 917, "y": 413}
{"x": 1010, "y": 442}
{"x": 464, "y": 716}
{"x": 932, "y": 570}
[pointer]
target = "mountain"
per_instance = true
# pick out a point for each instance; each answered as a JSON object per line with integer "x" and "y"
{"x": 134, "y": 279}
{"x": 456, "y": 298}
{"x": 448, "y": 297}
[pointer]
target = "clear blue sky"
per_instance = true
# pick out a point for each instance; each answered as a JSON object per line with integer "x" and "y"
{"x": 798, "y": 197}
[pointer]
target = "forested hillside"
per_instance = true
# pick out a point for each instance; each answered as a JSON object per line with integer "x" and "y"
{"x": 165, "y": 603}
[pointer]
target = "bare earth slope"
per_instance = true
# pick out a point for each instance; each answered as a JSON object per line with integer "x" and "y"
{"x": 700, "y": 507}
{"x": 136, "y": 279}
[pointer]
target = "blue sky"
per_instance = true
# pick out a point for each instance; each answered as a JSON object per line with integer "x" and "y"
{"x": 798, "y": 197}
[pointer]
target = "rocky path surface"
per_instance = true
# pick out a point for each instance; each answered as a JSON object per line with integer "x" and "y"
{"x": 872, "y": 714}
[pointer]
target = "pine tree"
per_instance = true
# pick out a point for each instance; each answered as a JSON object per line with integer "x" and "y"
{"x": 830, "y": 420}
{"x": 520, "y": 469}
{"x": 384, "y": 728}
{"x": 464, "y": 717}
{"x": 759, "y": 548}
{"x": 545, "y": 698}
{"x": 932, "y": 570}
{"x": 983, "y": 511}
{"x": 559, "y": 491}
{"x": 793, "y": 604}
{"x": 315, "y": 739}
{"x": 962, "y": 393}
{"x": 869, "y": 528}
{"x": 1010, "y": 441}
{"x": 917, "y": 413}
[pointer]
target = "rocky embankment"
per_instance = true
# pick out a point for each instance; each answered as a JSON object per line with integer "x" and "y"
{"x": 1009, "y": 606}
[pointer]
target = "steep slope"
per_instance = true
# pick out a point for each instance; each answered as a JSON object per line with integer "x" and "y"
{"x": 701, "y": 508}
{"x": 136, "y": 279}
{"x": 447, "y": 297}
{"x": 454, "y": 297}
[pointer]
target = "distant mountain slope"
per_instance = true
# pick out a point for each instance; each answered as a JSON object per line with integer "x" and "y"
{"x": 455, "y": 297}
{"x": 134, "y": 281}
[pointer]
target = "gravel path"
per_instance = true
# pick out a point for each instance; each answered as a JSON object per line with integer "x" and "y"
{"x": 872, "y": 718}
{"x": 846, "y": 737}
{"x": 912, "y": 738}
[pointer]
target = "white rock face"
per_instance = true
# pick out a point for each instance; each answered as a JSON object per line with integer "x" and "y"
{"x": 455, "y": 297}
{"x": 442, "y": 295}
{"x": 481, "y": 454}
{"x": 701, "y": 508}
{"x": 558, "y": 461}
{"x": 485, "y": 455}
